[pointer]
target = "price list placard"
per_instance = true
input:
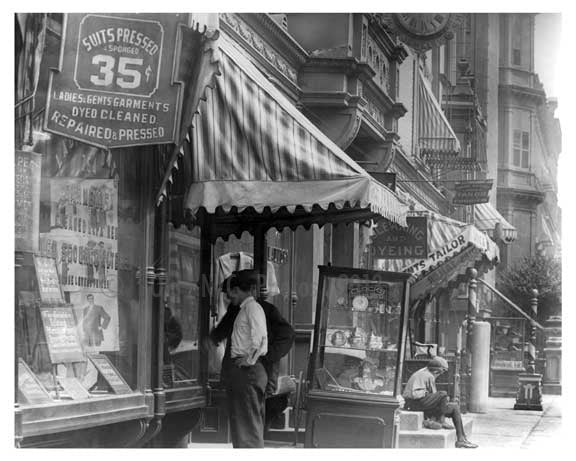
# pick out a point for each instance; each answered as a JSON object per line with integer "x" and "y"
{"x": 61, "y": 332}
{"x": 48, "y": 280}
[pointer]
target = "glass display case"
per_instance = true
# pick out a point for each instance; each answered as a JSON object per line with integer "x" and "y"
{"x": 356, "y": 362}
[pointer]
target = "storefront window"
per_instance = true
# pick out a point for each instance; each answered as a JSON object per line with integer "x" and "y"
{"x": 237, "y": 254}
{"x": 79, "y": 239}
{"x": 181, "y": 348}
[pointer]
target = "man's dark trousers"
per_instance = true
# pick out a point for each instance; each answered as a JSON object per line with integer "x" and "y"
{"x": 245, "y": 389}
{"x": 436, "y": 405}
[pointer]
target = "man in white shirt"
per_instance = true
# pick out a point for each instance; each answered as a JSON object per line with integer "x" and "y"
{"x": 244, "y": 375}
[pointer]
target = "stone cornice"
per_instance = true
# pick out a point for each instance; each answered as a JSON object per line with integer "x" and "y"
{"x": 260, "y": 49}
{"x": 399, "y": 54}
{"x": 382, "y": 37}
{"x": 534, "y": 95}
{"x": 525, "y": 196}
{"x": 349, "y": 66}
{"x": 373, "y": 91}
{"x": 283, "y": 41}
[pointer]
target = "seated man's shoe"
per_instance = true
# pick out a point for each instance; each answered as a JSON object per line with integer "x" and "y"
{"x": 429, "y": 424}
{"x": 465, "y": 444}
{"x": 445, "y": 425}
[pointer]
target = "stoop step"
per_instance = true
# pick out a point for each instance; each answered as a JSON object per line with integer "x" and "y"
{"x": 428, "y": 438}
{"x": 411, "y": 420}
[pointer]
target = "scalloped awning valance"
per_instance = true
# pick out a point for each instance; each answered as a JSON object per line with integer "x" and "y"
{"x": 252, "y": 151}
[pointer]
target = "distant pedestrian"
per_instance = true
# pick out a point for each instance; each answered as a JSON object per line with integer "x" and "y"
{"x": 421, "y": 394}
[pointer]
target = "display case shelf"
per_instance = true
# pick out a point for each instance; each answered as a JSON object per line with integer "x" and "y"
{"x": 367, "y": 349}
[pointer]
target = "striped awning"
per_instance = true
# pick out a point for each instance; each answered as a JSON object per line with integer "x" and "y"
{"x": 453, "y": 247}
{"x": 252, "y": 150}
{"x": 435, "y": 134}
{"x": 488, "y": 219}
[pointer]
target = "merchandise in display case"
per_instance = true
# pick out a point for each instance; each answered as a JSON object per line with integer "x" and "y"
{"x": 508, "y": 348}
{"x": 357, "y": 356}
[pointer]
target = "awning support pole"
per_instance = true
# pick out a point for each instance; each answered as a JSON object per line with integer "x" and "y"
{"x": 205, "y": 286}
{"x": 470, "y": 319}
{"x": 261, "y": 260}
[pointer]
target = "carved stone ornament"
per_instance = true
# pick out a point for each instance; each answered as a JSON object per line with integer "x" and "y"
{"x": 253, "y": 40}
{"x": 422, "y": 31}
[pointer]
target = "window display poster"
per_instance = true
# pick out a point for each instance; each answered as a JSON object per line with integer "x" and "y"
{"x": 84, "y": 242}
{"x": 73, "y": 388}
{"x": 27, "y": 200}
{"x": 85, "y": 206}
{"x": 48, "y": 281}
{"x": 110, "y": 374}
{"x": 83, "y": 233}
{"x": 60, "y": 329}
{"x": 98, "y": 324}
{"x": 30, "y": 386}
{"x": 84, "y": 263}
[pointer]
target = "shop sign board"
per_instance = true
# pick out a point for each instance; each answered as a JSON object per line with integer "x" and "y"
{"x": 61, "y": 331}
{"x": 277, "y": 255}
{"x": 472, "y": 191}
{"x": 27, "y": 200}
{"x": 110, "y": 374}
{"x": 395, "y": 242}
{"x": 116, "y": 84}
{"x": 29, "y": 386}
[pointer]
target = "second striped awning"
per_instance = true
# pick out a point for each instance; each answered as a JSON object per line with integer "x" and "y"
{"x": 453, "y": 247}
{"x": 435, "y": 134}
{"x": 488, "y": 219}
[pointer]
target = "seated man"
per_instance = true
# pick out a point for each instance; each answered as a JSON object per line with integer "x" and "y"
{"x": 420, "y": 394}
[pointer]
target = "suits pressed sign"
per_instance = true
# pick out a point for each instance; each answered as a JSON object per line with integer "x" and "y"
{"x": 116, "y": 84}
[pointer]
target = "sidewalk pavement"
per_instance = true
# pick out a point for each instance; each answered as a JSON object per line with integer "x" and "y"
{"x": 500, "y": 427}
{"x": 503, "y": 427}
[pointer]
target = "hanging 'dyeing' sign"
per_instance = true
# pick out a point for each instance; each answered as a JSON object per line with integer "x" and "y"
{"x": 116, "y": 84}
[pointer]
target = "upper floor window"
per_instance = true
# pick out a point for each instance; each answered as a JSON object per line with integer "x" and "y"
{"x": 517, "y": 40}
{"x": 516, "y": 57}
{"x": 521, "y": 149}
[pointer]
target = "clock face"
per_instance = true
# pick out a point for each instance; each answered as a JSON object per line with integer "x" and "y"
{"x": 360, "y": 303}
{"x": 423, "y": 24}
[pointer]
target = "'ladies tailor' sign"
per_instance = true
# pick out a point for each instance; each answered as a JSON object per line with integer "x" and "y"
{"x": 116, "y": 84}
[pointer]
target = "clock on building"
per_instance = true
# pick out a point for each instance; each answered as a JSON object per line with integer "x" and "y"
{"x": 422, "y": 31}
{"x": 423, "y": 24}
